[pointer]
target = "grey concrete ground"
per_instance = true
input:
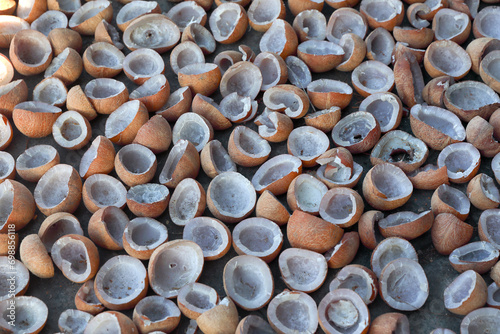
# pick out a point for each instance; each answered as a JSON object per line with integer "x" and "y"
{"x": 58, "y": 292}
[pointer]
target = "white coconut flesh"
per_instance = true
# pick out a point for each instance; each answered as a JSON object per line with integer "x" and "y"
{"x": 58, "y": 228}
{"x": 454, "y": 198}
{"x": 51, "y": 91}
{"x": 74, "y": 321}
{"x": 50, "y": 20}
{"x": 391, "y": 181}
{"x": 487, "y": 20}
{"x": 274, "y": 39}
{"x": 7, "y": 88}
{"x": 69, "y": 5}
{"x": 302, "y": 270}
{"x": 450, "y": 23}
{"x": 460, "y": 290}
{"x": 185, "y": 13}
{"x": 270, "y": 69}
{"x": 223, "y": 21}
{"x": 275, "y": 169}
{"x": 175, "y": 155}
{"x": 6, "y": 202}
{"x": 471, "y": 95}
{"x": 133, "y": 10}
{"x": 232, "y": 194}
{"x": 144, "y": 233}
{"x": 104, "y": 323}
{"x": 329, "y": 86}
{"x": 197, "y": 69}
{"x": 148, "y": 193}
{"x": 18, "y": 270}
{"x": 313, "y": 23}
{"x": 121, "y": 118}
{"x": 353, "y": 128}
{"x": 399, "y": 146}
{"x": 391, "y": 249}
{"x": 345, "y": 21}
{"x": 308, "y": 192}
{"x": 379, "y": 42}
{"x": 192, "y": 127}
{"x": 495, "y": 166}
{"x": 87, "y": 294}
{"x": 482, "y": 320}
{"x": 400, "y": 218}
{"x": 248, "y": 281}
{"x": 198, "y": 297}
{"x": 373, "y": 77}
{"x": 382, "y": 10}
{"x": 181, "y": 263}
{"x": 384, "y": 107}
{"x": 493, "y": 295}
{"x": 184, "y": 54}
{"x": 121, "y": 279}
{"x": 460, "y": 159}
{"x": 105, "y": 55}
{"x": 243, "y": 78}
{"x": 268, "y": 123}
{"x": 224, "y": 61}
{"x": 32, "y": 51}
{"x": 143, "y": 63}
{"x": 339, "y": 208}
{"x": 104, "y": 88}
{"x": 136, "y": 159}
{"x": 298, "y": 72}
{"x": 38, "y": 107}
{"x": 250, "y": 143}
{"x": 404, "y": 285}
{"x": 72, "y": 258}
{"x": 70, "y": 129}
{"x": 356, "y": 279}
{"x": 7, "y": 164}
{"x": 293, "y": 311}
{"x": 53, "y": 188}
{"x": 202, "y": 37}
{"x": 342, "y": 176}
{"x": 320, "y": 48}
{"x": 154, "y": 31}
{"x": 220, "y": 158}
{"x": 490, "y": 222}
{"x": 440, "y": 119}
{"x": 185, "y": 201}
{"x": 278, "y": 98}
{"x": 156, "y": 309}
{"x": 474, "y": 252}
{"x": 264, "y": 11}
{"x": 257, "y": 236}
{"x": 449, "y": 58}
{"x": 87, "y": 11}
{"x": 207, "y": 233}
{"x": 491, "y": 65}
{"x": 150, "y": 87}
{"x": 254, "y": 324}
{"x": 31, "y": 315}
{"x": 104, "y": 190}
{"x": 307, "y": 142}
{"x": 489, "y": 189}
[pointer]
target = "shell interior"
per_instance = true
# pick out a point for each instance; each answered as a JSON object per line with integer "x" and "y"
{"x": 460, "y": 290}
{"x": 338, "y": 208}
{"x": 391, "y": 249}
{"x": 175, "y": 155}
{"x": 264, "y": 11}
{"x": 31, "y": 315}
{"x": 58, "y": 228}
{"x": 31, "y": 50}
{"x": 291, "y": 311}
{"x": 490, "y": 222}
{"x": 104, "y": 323}
{"x": 144, "y": 233}
{"x": 307, "y": 142}
{"x": 70, "y": 129}
{"x": 380, "y": 10}
{"x": 275, "y": 169}
{"x": 308, "y": 192}
{"x": 345, "y": 21}
{"x": 72, "y": 257}
{"x": 278, "y": 98}
{"x": 136, "y": 159}
{"x": 270, "y": 68}
{"x": 232, "y": 194}
{"x": 7, "y": 270}
{"x": 299, "y": 73}
{"x": 89, "y": 156}
{"x": 474, "y": 252}
{"x": 257, "y": 236}
{"x": 53, "y": 187}
{"x": 156, "y": 309}
{"x": 150, "y": 87}
{"x": 220, "y": 158}
{"x": 104, "y": 88}
{"x": 320, "y": 48}
{"x": 148, "y": 193}
{"x": 121, "y": 118}
{"x": 440, "y": 119}
{"x": 134, "y": 9}
{"x": 51, "y": 91}
{"x": 50, "y": 20}
{"x": 224, "y": 20}
{"x": 74, "y": 321}
{"x": 87, "y": 11}
{"x": 450, "y": 23}
{"x": 7, "y": 164}
{"x": 250, "y": 143}
{"x": 312, "y": 23}
{"x": 486, "y": 19}
{"x": 202, "y": 37}
{"x": 198, "y": 297}
{"x": 399, "y": 146}
{"x": 185, "y": 202}
{"x": 391, "y": 181}
{"x": 356, "y": 279}
{"x": 302, "y": 269}
{"x": 379, "y": 43}
{"x": 6, "y": 202}
{"x": 151, "y": 31}
{"x": 384, "y": 107}
{"x": 449, "y": 58}
{"x": 460, "y": 159}
{"x": 454, "y": 198}
{"x": 192, "y": 127}
{"x": 208, "y": 233}
{"x": 274, "y": 39}
{"x": 471, "y": 95}
{"x": 373, "y": 77}
{"x": 489, "y": 188}
{"x": 185, "y": 13}
{"x": 143, "y": 63}
{"x": 56, "y": 63}
{"x": 353, "y": 128}
{"x": 184, "y": 54}
{"x": 482, "y": 320}
{"x": 105, "y": 190}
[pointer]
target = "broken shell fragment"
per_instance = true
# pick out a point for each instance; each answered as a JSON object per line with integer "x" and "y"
{"x": 489, "y": 226}
{"x": 200, "y": 35}
{"x": 228, "y": 22}
{"x": 86, "y": 300}
{"x": 358, "y": 132}
{"x": 183, "y": 161}
{"x": 359, "y": 279}
{"x": 344, "y": 252}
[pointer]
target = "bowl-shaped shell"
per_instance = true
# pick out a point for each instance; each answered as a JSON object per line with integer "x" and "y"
{"x": 77, "y": 100}
{"x": 133, "y": 10}
{"x": 343, "y": 21}
{"x": 406, "y": 224}
{"x": 20, "y": 273}
{"x": 102, "y": 190}
{"x": 449, "y": 232}
{"x": 389, "y": 322}
{"x": 73, "y": 320}
{"x": 466, "y": 293}
{"x": 106, "y": 95}
{"x": 246, "y": 148}
{"x": 31, "y": 312}
{"x": 135, "y": 164}
{"x": 154, "y": 31}
{"x": 479, "y": 256}
{"x": 188, "y": 201}
{"x": 358, "y": 132}
{"x": 228, "y": 22}
{"x": 34, "y": 119}
{"x": 384, "y": 14}
{"x": 488, "y": 226}
{"x": 148, "y": 200}
{"x": 276, "y": 174}
{"x": 210, "y": 234}
{"x": 243, "y": 78}
{"x": 215, "y": 159}
{"x": 358, "y": 278}
{"x": 305, "y": 193}
{"x": 483, "y": 319}
{"x": 262, "y": 13}
{"x": 463, "y": 169}
{"x": 391, "y": 249}
{"x": 268, "y": 206}
{"x": 106, "y": 227}
{"x": 57, "y": 225}
{"x": 18, "y": 204}
{"x": 30, "y": 52}
{"x": 386, "y": 108}
{"x": 98, "y": 159}
{"x": 436, "y": 60}
{"x": 177, "y": 104}
{"x": 341, "y": 206}
{"x": 87, "y": 17}
{"x": 372, "y": 77}
{"x": 155, "y": 314}
{"x": 124, "y": 123}
{"x": 142, "y": 236}
{"x": 327, "y": 93}
{"x": 71, "y": 130}
{"x": 113, "y": 321}
{"x": 200, "y": 78}
{"x": 67, "y": 66}
{"x": 11, "y": 95}
{"x": 183, "y": 161}
{"x": 86, "y": 300}
{"x": 253, "y": 322}
{"x": 103, "y": 60}
{"x": 293, "y": 305}
{"x": 33, "y": 254}
{"x": 222, "y": 318}
{"x": 258, "y": 237}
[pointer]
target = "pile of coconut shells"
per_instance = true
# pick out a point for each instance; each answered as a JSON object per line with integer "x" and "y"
{"x": 250, "y": 166}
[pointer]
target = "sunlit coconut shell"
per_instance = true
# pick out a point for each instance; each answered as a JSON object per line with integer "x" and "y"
{"x": 436, "y": 60}
{"x": 369, "y": 233}
{"x": 193, "y": 127}
{"x": 433, "y": 92}
{"x": 418, "y": 38}
{"x": 404, "y": 297}
{"x": 78, "y": 101}
{"x": 258, "y": 237}
{"x": 153, "y": 93}
{"x": 359, "y": 279}
{"x": 117, "y": 273}
{"x": 76, "y": 256}
{"x": 327, "y": 93}
{"x": 479, "y": 256}
{"x": 344, "y": 252}
{"x": 179, "y": 260}
{"x": 276, "y": 174}
{"x": 182, "y": 162}
{"x": 34, "y": 119}
{"x": 148, "y": 200}
{"x": 346, "y": 20}
{"x": 358, "y": 132}
{"x": 35, "y": 161}
{"x": 124, "y": 123}
{"x": 11, "y": 95}
{"x": 466, "y": 293}
{"x": 103, "y": 60}
{"x": 479, "y": 48}
{"x": 228, "y": 23}
{"x": 487, "y": 17}
{"x": 67, "y": 67}
{"x": 57, "y": 225}
{"x": 231, "y": 197}
{"x": 200, "y": 35}
{"x": 106, "y": 227}
{"x": 435, "y": 126}
{"x": 391, "y": 249}
{"x": 135, "y": 164}
{"x": 73, "y": 320}
{"x": 101, "y": 190}
{"x": 341, "y": 206}
{"x": 105, "y": 32}
{"x": 133, "y": 10}
{"x": 488, "y": 226}
{"x": 106, "y": 95}
{"x": 449, "y": 232}
{"x": 31, "y": 313}
{"x": 302, "y": 270}
{"x": 58, "y": 190}
{"x": 468, "y": 99}
{"x": 142, "y": 236}
{"x": 307, "y": 143}
{"x": 51, "y": 91}
{"x": 488, "y": 70}
{"x": 210, "y": 234}
{"x": 251, "y": 323}
{"x": 86, "y": 300}
{"x": 98, "y": 159}
{"x": 52, "y": 19}
{"x": 187, "y": 202}
{"x": 248, "y": 282}
{"x": 495, "y": 273}
{"x": 372, "y": 77}
{"x": 156, "y": 314}
{"x": 288, "y": 306}
{"x": 305, "y": 193}
{"x": 310, "y": 23}
{"x": 62, "y": 38}
{"x": 154, "y": 31}
{"x": 483, "y": 193}
{"x": 88, "y": 16}
{"x": 320, "y": 56}
{"x": 177, "y": 104}
{"x": 18, "y": 203}
{"x": 13, "y": 268}
{"x": 35, "y": 257}
{"x": 451, "y": 25}
{"x": 8, "y": 7}
{"x": 246, "y": 148}
{"x": 462, "y": 161}
{"x": 113, "y": 321}
{"x": 262, "y": 13}
{"x": 215, "y": 159}
{"x": 386, "y": 108}
{"x": 273, "y": 68}
{"x": 186, "y": 53}
{"x": 209, "y": 109}
{"x": 345, "y": 310}
{"x": 10, "y": 26}
{"x": 389, "y": 322}
{"x": 221, "y": 319}
{"x": 450, "y": 200}
{"x": 268, "y": 206}
{"x": 201, "y": 78}
{"x": 7, "y": 71}
{"x": 30, "y": 10}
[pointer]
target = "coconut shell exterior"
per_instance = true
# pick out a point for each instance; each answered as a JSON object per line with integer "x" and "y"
{"x": 71, "y": 69}
{"x": 222, "y": 319}
{"x": 23, "y": 209}
{"x": 475, "y": 300}
{"x": 77, "y": 100}
{"x": 8, "y": 101}
{"x": 297, "y": 6}
{"x": 480, "y": 133}
{"x": 477, "y": 196}
{"x": 151, "y": 210}
{"x": 268, "y": 206}
{"x": 4, "y": 243}
{"x": 99, "y": 233}
{"x": 89, "y": 26}
{"x": 211, "y": 113}
{"x": 264, "y": 27}
{"x": 34, "y": 174}
{"x": 410, "y": 230}
{"x": 369, "y": 233}
{"x": 387, "y": 323}
{"x": 240, "y": 157}
{"x": 34, "y": 125}
{"x": 174, "y": 112}
{"x": 438, "y": 206}
{"x": 378, "y": 200}
{"x": 127, "y": 136}
{"x": 430, "y": 179}
{"x": 25, "y": 68}
{"x": 434, "y": 138}
{"x": 187, "y": 167}
{"x": 313, "y": 233}
{"x": 345, "y": 251}
{"x": 82, "y": 305}
{"x": 35, "y": 257}
{"x": 495, "y": 273}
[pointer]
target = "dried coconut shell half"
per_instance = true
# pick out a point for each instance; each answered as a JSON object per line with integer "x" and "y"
{"x": 208, "y": 108}
{"x": 295, "y": 263}
{"x": 67, "y": 66}
{"x": 310, "y": 23}
{"x": 479, "y": 256}
{"x": 372, "y": 77}
{"x": 177, "y": 104}
{"x": 210, "y": 234}
{"x": 276, "y": 174}
{"x": 369, "y": 233}
{"x": 156, "y": 314}
{"x": 484, "y": 319}
{"x": 10, "y": 26}
{"x": 143, "y": 64}
{"x": 343, "y": 21}
{"x": 106, "y": 95}
{"x": 449, "y": 232}
{"x": 253, "y": 322}
{"x": 124, "y": 123}
{"x": 262, "y": 13}
{"x": 101, "y": 190}
{"x": 34, "y": 119}
{"x": 341, "y": 206}
{"x": 153, "y": 31}
{"x": 183, "y": 161}
{"x": 429, "y": 177}
{"x": 18, "y": 203}
{"x": 76, "y": 320}
{"x": 327, "y": 93}
{"x": 258, "y": 237}
{"x": 436, "y": 60}
{"x": 406, "y": 224}
{"x": 154, "y": 92}
{"x": 142, "y": 236}
{"x": 33, "y": 254}
{"x": 386, "y": 108}
{"x": 305, "y": 194}
{"x": 135, "y": 164}
{"x": 187, "y": 202}
{"x": 248, "y": 282}
{"x": 446, "y": 199}
{"x": 384, "y": 14}
{"x": 103, "y": 60}
{"x": 78, "y": 101}
{"x": 86, "y": 300}
{"x": 462, "y": 161}
{"x": 7, "y": 166}
{"x": 273, "y": 68}
{"x": 200, "y": 35}
{"x": 359, "y": 279}
{"x": 222, "y": 318}
{"x": 105, "y": 32}
{"x": 466, "y": 293}
{"x": 288, "y": 99}
{"x": 244, "y": 78}
{"x": 51, "y": 91}
{"x": 56, "y": 226}
{"x": 358, "y": 132}
{"x": 11, "y": 95}
{"x": 31, "y": 312}
{"x": 483, "y": 193}
{"x": 155, "y": 134}
{"x": 71, "y": 130}
{"x": 87, "y": 17}
{"x": 106, "y": 227}
{"x": 246, "y": 148}
{"x": 299, "y": 73}
{"x": 180, "y": 260}
{"x": 30, "y": 52}
{"x": 121, "y": 283}
{"x": 133, "y": 10}
{"x": 194, "y": 128}
{"x": 288, "y": 306}
{"x": 391, "y": 249}
{"x": 324, "y": 120}
{"x": 488, "y": 226}
{"x": 148, "y": 200}
{"x": 268, "y": 206}
{"x": 76, "y": 256}
{"x": 98, "y": 159}
{"x": 280, "y": 39}
{"x": 228, "y": 22}
{"x": 215, "y": 160}
{"x": 113, "y": 321}
{"x": 307, "y": 143}
{"x": 20, "y": 274}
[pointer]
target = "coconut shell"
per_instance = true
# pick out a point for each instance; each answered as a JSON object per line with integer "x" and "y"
{"x": 222, "y": 319}
{"x": 268, "y": 206}
{"x": 35, "y": 257}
